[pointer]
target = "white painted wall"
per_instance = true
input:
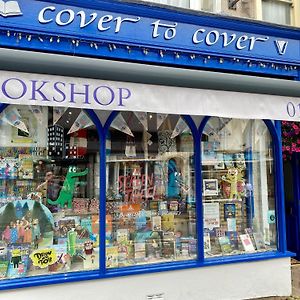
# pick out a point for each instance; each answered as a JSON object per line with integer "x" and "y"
{"x": 234, "y": 281}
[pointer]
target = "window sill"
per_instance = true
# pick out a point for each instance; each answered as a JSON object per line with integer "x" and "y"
{"x": 136, "y": 270}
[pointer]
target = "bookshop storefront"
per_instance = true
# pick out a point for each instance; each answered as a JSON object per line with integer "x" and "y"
{"x": 145, "y": 177}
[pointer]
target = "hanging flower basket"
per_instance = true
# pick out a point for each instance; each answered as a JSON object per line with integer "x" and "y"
{"x": 290, "y": 138}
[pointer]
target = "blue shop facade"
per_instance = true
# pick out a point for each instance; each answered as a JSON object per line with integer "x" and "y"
{"x": 141, "y": 152}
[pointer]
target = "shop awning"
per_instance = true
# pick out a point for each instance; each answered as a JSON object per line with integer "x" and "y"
{"x": 156, "y": 88}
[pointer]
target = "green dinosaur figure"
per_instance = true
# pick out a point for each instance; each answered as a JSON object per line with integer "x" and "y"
{"x": 67, "y": 190}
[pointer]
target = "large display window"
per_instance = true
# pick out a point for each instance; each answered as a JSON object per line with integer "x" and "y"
{"x": 150, "y": 200}
{"x": 49, "y": 191}
{"x": 50, "y": 196}
{"x": 238, "y": 187}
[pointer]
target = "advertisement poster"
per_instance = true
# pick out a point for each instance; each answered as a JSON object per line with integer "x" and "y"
{"x": 211, "y": 215}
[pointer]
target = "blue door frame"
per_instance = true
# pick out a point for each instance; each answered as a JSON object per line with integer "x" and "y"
{"x": 292, "y": 203}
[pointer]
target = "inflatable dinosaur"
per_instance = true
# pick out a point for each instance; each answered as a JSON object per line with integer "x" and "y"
{"x": 67, "y": 190}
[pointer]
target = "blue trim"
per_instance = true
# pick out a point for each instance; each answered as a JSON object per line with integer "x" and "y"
{"x": 198, "y": 196}
{"x": 93, "y": 116}
{"x": 275, "y": 133}
{"x": 279, "y": 184}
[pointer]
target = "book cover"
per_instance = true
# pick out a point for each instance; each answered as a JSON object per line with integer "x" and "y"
{"x": 207, "y": 244}
{"x": 167, "y": 222}
{"x": 10, "y": 9}
{"x": 18, "y": 257}
{"x": 229, "y": 210}
{"x": 25, "y": 166}
{"x": 259, "y": 240}
{"x": 163, "y": 207}
{"x": 225, "y": 244}
{"x": 233, "y": 237}
{"x": 247, "y": 243}
{"x": 3, "y": 268}
{"x": 173, "y": 205}
{"x": 112, "y": 257}
{"x": 122, "y": 235}
{"x": 231, "y": 224}
{"x": 140, "y": 251}
{"x": 156, "y": 223}
{"x": 168, "y": 246}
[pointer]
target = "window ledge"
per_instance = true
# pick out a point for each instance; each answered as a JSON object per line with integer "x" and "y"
{"x": 136, "y": 270}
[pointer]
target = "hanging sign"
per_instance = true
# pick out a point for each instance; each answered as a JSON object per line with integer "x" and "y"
{"x": 13, "y": 117}
{"x": 59, "y": 91}
{"x": 58, "y": 113}
{"x": 82, "y": 121}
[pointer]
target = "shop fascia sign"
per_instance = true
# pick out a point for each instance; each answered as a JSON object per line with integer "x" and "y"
{"x": 61, "y": 91}
{"x": 135, "y": 30}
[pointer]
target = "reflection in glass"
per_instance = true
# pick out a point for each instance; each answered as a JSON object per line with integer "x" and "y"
{"x": 150, "y": 203}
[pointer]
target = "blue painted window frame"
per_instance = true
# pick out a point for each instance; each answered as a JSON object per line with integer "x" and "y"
{"x": 102, "y": 272}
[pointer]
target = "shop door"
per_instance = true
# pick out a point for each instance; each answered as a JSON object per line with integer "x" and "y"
{"x": 292, "y": 203}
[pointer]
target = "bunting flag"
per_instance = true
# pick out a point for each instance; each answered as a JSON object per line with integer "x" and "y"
{"x": 143, "y": 118}
{"x": 120, "y": 124}
{"x": 58, "y": 113}
{"x": 37, "y": 112}
{"x": 147, "y": 138}
{"x": 160, "y": 119}
{"x": 179, "y": 128}
{"x": 13, "y": 117}
{"x": 82, "y": 121}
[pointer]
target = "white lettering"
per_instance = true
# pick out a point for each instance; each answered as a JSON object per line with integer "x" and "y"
{"x": 169, "y": 33}
{"x": 226, "y": 41}
{"x": 119, "y": 22}
{"x": 254, "y": 39}
{"x": 240, "y": 40}
{"x": 70, "y": 18}
{"x": 83, "y": 22}
{"x": 195, "y": 36}
{"x": 215, "y": 35}
{"x": 41, "y": 17}
{"x": 104, "y": 19}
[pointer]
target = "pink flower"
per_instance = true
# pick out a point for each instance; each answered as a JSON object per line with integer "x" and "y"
{"x": 295, "y": 126}
{"x": 287, "y": 148}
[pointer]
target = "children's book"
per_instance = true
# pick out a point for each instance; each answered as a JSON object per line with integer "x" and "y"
{"x": 3, "y": 268}
{"x": 156, "y": 223}
{"x": 247, "y": 243}
{"x": 168, "y": 245}
{"x": 207, "y": 244}
{"x": 259, "y": 240}
{"x": 25, "y": 166}
{"x": 233, "y": 237}
{"x": 112, "y": 257}
{"x": 229, "y": 210}
{"x": 168, "y": 222}
{"x": 18, "y": 258}
{"x": 139, "y": 251}
{"x": 231, "y": 224}
{"x": 225, "y": 244}
{"x": 122, "y": 235}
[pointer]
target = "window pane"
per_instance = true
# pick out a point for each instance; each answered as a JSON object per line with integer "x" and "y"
{"x": 49, "y": 191}
{"x": 238, "y": 187}
{"x": 276, "y": 12}
{"x": 150, "y": 204}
